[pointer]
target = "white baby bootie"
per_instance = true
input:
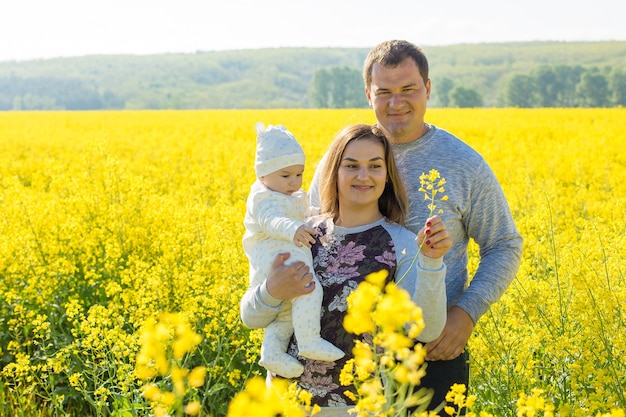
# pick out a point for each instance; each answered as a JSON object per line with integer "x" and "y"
{"x": 320, "y": 350}
{"x": 282, "y": 364}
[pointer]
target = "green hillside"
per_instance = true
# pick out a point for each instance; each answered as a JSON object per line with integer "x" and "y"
{"x": 283, "y": 77}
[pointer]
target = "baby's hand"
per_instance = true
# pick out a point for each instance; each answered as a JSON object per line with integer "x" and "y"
{"x": 436, "y": 238}
{"x": 304, "y": 236}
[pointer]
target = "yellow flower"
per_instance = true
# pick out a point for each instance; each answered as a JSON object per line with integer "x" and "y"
{"x": 358, "y": 319}
{"x": 278, "y": 399}
{"x": 431, "y": 187}
{"x": 151, "y": 392}
{"x": 168, "y": 399}
{"x": 363, "y": 360}
{"x": 350, "y": 395}
{"x": 346, "y": 377}
{"x": 160, "y": 411}
{"x": 395, "y": 309}
{"x": 178, "y": 374}
{"x": 185, "y": 342}
{"x": 192, "y": 408}
{"x": 377, "y": 278}
{"x": 196, "y": 376}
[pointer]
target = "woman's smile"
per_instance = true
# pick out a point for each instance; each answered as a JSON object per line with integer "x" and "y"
{"x": 360, "y": 187}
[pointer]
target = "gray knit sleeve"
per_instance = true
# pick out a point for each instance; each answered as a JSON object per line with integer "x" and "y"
{"x": 258, "y": 308}
{"x": 424, "y": 279}
{"x": 491, "y": 225}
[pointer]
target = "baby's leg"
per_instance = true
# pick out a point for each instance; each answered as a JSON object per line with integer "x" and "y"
{"x": 306, "y": 311}
{"x": 275, "y": 341}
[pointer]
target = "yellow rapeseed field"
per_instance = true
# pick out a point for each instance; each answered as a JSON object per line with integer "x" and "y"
{"x": 110, "y": 219}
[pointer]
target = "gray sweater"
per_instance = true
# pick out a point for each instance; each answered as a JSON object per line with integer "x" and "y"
{"x": 476, "y": 208}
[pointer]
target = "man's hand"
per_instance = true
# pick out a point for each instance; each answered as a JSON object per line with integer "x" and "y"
{"x": 289, "y": 281}
{"x": 453, "y": 338}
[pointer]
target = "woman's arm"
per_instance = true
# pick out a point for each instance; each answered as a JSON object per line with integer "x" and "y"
{"x": 425, "y": 278}
{"x": 425, "y": 281}
{"x": 258, "y": 308}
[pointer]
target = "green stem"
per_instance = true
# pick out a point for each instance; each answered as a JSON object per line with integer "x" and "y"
{"x": 419, "y": 249}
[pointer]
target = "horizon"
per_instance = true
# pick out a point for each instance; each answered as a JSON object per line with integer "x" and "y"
{"x": 296, "y": 47}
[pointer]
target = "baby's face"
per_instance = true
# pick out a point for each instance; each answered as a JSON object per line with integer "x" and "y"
{"x": 287, "y": 180}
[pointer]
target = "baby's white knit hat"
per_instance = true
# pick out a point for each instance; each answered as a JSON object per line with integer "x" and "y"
{"x": 276, "y": 148}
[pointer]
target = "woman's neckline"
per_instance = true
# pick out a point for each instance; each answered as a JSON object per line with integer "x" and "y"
{"x": 353, "y": 224}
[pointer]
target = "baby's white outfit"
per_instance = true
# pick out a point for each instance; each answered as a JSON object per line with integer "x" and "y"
{"x": 271, "y": 222}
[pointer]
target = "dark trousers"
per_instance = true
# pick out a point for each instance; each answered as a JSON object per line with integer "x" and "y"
{"x": 441, "y": 375}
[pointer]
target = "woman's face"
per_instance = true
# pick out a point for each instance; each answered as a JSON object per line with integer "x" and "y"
{"x": 362, "y": 174}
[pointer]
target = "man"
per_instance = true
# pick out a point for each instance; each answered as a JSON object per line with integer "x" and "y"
{"x": 398, "y": 88}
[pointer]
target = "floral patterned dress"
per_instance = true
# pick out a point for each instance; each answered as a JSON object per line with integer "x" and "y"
{"x": 341, "y": 262}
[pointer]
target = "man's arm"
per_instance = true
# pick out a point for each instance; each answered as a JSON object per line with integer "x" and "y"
{"x": 491, "y": 225}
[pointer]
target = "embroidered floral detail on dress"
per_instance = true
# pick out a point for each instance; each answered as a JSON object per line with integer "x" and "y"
{"x": 341, "y": 263}
{"x": 350, "y": 253}
{"x": 316, "y": 377}
{"x": 337, "y": 400}
{"x": 339, "y": 302}
{"x": 387, "y": 258}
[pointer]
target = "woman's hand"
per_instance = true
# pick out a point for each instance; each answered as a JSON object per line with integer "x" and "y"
{"x": 435, "y": 238}
{"x": 289, "y": 281}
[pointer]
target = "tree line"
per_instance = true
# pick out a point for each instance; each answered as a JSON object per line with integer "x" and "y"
{"x": 342, "y": 87}
{"x": 547, "y": 86}
{"x": 568, "y": 86}
{"x": 534, "y": 74}
{"x": 47, "y": 93}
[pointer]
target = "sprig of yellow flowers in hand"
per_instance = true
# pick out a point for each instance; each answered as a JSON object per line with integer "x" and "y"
{"x": 164, "y": 344}
{"x": 431, "y": 184}
{"x": 386, "y": 371}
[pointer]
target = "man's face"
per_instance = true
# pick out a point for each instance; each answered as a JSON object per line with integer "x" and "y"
{"x": 399, "y": 96}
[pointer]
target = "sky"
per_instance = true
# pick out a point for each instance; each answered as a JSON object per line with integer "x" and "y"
{"x": 41, "y": 29}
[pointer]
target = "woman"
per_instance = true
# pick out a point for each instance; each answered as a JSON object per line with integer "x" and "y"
{"x": 360, "y": 232}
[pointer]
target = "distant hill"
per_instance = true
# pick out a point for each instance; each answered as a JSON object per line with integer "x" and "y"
{"x": 269, "y": 78}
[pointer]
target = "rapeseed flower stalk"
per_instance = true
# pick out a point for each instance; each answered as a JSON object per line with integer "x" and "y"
{"x": 460, "y": 401}
{"x": 534, "y": 405}
{"x": 281, "y": 399}
{"x": 164, "y": 343}
{"x": 431, "y": 184}
{"x": 386, "y": 370}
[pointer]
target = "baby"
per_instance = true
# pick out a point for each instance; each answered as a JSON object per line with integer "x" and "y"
{"x": 275, "y": 212}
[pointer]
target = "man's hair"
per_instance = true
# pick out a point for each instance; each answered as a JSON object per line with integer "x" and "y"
{"x": 390, "y": 54}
